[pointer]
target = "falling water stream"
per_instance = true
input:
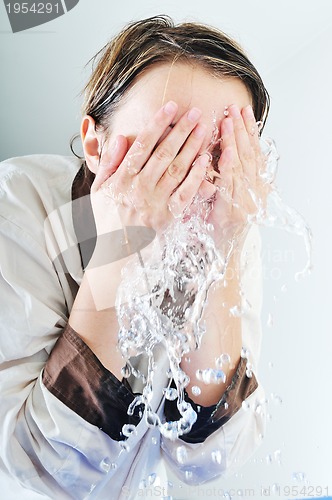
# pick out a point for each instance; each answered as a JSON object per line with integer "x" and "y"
{"x": 161, "y": 301}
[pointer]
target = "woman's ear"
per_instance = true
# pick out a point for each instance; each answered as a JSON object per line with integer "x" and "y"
{"x": 91, "y": 143}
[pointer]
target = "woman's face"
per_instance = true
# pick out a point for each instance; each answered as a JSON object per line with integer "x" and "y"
{"x": 189, "y": 86}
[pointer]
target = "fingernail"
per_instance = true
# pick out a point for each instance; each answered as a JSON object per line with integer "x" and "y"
{"x": 204, "y": 160}
{"x": 194, "y": 114}
{"x": 235, "y": 111}
{"x": 170, "y": 108}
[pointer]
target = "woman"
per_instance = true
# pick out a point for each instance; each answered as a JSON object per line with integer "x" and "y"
{"x": 170, "y": 115}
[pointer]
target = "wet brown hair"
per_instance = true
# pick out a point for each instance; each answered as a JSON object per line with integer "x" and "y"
{"x": 156, "y": 40}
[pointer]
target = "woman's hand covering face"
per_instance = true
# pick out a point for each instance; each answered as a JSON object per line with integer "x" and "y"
{"x": 157, "y": 176}
{"x": 240, "y": 188}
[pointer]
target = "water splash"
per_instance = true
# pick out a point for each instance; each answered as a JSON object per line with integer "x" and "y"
{"x": 211, "y": 376}
{"x": 216, "y": 456}
{"x": 162, "y": 302}
{"x": 277, "y": 213}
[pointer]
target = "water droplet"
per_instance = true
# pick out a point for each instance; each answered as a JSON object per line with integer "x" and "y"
{"x": 151, "y": 478}
{"x": 188, "y": 475}
{"x": 271, "y": 365}
{"x": 277, "y": 456}
{"x": 126, "y": 371}
{"x": 236, "y": 311}
{"x": 249, "y": 368}
{"x": 275, "y": 489}
{"x": 277, "y": 400}
{"x": 152, "y": 419}
{"x": 259, "y": 409}
{"x": 269, "y": 320}
{"x": 299, "y": 477}
{"x": 210, "y": 376}
{"x": 245, "y": 405}
{"x": 170, "y": 393}
{"x": 196, "y": 390}
{"x": 92, "y": 487}
{"x": 142, "y": 484}
{"x": 226, "y": 405}
{"x": 268, "y": 459}
{"x": 128, "y": 430}
{"x": 154, "y": 440}
{"x": 181, "y": 454}
{"x": 182, "y": 378}
{"x": 124, "y": 446}
{"x": 246, "y": 305}
{"x": 105, "y": 465}
{"x": 223, "y": 360}
{"x": 244, "y": 353}
{"x": 284, "y": 288}
{"x": 216, "y": 456}
{"x": 147, "y": 392}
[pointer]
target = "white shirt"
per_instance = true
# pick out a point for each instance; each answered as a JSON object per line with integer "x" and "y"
{"x": 45, "y": 445}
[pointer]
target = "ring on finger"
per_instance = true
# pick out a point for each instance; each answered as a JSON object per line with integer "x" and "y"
{"x": 173, "y": 170}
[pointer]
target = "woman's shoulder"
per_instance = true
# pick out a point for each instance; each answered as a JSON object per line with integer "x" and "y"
{"x": 32, "y": 187}
{"x": 38, "y": 176}
{"x": 41, "y": 167}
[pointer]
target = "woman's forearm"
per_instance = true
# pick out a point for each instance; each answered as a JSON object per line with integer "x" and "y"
{"x": 93, "y": 315}
{"x": 222, "y": 336}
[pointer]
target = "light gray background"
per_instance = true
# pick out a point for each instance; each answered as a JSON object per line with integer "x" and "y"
{"x": 290, "y": 43}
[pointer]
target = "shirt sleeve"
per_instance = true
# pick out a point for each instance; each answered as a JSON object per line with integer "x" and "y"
{"x": 211, "y": 418}
{"x": 45, "y": 446}
{"x": 75, "y": 376}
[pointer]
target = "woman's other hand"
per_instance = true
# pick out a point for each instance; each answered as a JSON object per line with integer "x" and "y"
{"x": 241, "y": 190}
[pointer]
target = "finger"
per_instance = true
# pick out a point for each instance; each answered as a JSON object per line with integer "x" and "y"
{"x": 224, "y": 182}
{"x": 241, "y": 135}
{"x": 244, "y": 148}
{"x": 252, "y": 128}
{"x": 206, "y": 189}
{"x": 177, "y": 171}
{"x": 146, "y": 140}
{"x": 110, "y": 161}
{"x": 167, "y": 152}
{"x": 184, "y": 195}
{"x": 228, "y": 142}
